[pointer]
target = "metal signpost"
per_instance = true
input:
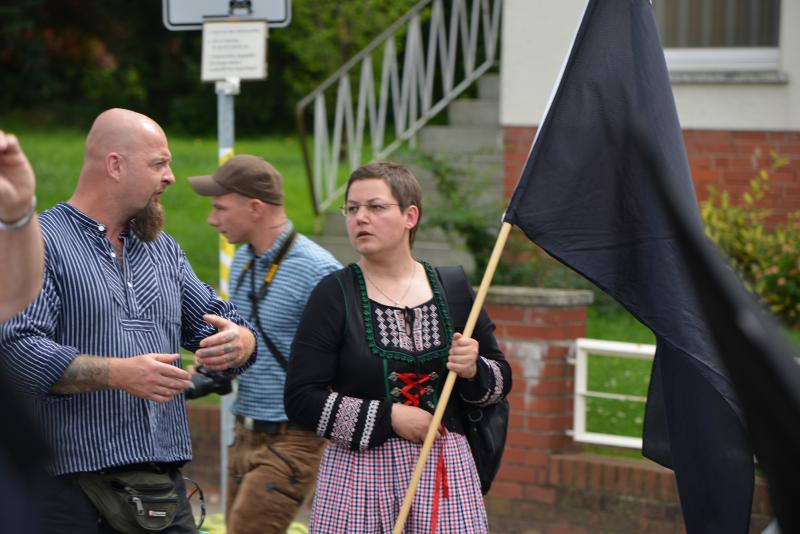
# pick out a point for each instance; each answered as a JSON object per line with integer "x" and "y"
{"x": 234, "y": 49}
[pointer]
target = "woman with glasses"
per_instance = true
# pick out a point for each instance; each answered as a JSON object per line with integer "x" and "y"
{"x": 369, "y": 360}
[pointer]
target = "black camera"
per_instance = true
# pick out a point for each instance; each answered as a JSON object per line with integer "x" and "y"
{"x": 206, "y": 382}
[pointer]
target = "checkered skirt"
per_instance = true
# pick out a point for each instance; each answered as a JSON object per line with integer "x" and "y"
{"x": 362, "y": 492}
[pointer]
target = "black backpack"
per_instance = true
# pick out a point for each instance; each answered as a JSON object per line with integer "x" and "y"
{"x": 485, "y": 427}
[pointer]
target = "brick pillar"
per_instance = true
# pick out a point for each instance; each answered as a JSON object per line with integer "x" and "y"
{"x": 537, "y": 329}
{"x": 517, "y": 142}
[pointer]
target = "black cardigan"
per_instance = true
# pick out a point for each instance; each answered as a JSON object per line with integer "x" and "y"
{"x": 336, "y": 383}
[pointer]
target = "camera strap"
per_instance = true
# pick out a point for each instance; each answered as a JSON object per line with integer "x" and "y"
{"x": 257, "y": 297}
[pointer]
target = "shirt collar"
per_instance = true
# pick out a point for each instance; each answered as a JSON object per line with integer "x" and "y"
{"x": 84, "y": 221}
{"x": 271, "y": 251}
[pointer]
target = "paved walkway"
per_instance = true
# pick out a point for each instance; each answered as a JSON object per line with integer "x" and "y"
{"x": 215, "y": 522}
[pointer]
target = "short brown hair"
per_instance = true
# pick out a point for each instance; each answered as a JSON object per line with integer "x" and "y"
{"x": 402, "y": 183}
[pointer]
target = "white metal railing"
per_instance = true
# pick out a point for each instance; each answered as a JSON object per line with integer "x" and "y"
{"x": 598, "y": 347}
{"x": 460, "y": 45}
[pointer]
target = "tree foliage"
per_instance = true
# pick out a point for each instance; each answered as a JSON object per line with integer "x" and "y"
{"x": 63, "y": 61}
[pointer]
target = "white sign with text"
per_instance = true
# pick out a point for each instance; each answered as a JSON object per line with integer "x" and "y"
{"x": 234, "y": 50}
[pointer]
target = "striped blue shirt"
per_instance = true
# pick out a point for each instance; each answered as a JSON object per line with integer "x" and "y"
{"x": 261, "y": 386}
{"x": 91, "y": 304}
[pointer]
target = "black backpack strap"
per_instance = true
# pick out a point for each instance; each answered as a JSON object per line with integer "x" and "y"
{"x": 276, "y": 353}
{"x": 457, "y": 294}
{"x": 484, "y": 427}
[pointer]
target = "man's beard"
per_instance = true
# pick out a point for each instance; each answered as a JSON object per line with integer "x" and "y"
{"x": 149, "y": 222}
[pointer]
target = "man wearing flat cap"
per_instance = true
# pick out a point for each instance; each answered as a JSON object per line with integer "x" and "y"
{"x": 272, "y": 464}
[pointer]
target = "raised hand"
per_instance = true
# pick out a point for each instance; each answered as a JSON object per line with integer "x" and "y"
{"x": 17, "y": 182}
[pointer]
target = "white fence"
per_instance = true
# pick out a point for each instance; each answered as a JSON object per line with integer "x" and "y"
{"x": 597, "y": 347}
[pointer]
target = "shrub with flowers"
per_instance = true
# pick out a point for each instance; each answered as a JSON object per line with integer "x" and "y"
{"x": 767, "y": 259}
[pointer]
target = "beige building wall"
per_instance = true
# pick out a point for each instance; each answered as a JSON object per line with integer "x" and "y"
{"x": 537, "y": 35}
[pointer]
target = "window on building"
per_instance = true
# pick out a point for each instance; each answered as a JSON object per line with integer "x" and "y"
{"x": 718, "y": 23}
{"x": 719, "y": 41}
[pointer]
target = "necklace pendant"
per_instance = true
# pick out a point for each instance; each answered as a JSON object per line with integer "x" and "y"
{"x": 397, "y": 303}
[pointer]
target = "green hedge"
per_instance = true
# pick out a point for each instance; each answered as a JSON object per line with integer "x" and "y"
{"x": 767, "y": 256}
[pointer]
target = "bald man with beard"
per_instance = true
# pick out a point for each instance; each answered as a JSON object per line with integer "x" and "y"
{"x": 97, "y": 351}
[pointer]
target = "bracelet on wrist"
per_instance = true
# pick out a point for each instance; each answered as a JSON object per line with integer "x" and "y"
{"x": 23, "y": 222}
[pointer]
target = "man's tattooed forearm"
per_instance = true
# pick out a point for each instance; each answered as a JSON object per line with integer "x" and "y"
{"x": 85, "y": 373}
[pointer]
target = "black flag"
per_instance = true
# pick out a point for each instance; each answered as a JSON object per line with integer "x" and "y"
{"x": 588, "y": 197}
{"x": 762, "y": 365}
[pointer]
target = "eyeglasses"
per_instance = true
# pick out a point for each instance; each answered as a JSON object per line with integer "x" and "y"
{"x": 374, "y": 208}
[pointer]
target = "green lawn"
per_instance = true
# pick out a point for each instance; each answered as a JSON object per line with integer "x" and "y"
{"x": 616, "y": 375}
{"x": 622, "y": 375}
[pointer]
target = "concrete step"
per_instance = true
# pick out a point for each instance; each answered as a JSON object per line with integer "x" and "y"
{"x": 488, "y": 200}
{"x": 488, "y": 165}
{"x": 460, "y": 139}
{"x": 480, "y": 175}
{"x": 489, "y": 86}
{"x": 436, "y": 253}
{"x": 474, "y": 112}
{"x": 483, "y": 194}
{"x": 485, "y": 174}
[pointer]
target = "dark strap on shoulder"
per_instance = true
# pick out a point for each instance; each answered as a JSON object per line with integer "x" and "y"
{"x": 273, "y": 268}
{"x": 256, "y": 298}
{"x": 279, "y": 357}
{"x": 457, "y": 292}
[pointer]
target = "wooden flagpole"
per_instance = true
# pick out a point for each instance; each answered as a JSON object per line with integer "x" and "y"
{"x": 451, "y": 378}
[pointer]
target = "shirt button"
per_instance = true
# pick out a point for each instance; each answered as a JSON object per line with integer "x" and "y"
{"x": 112, "y": 254}
{"x": 102, "y": 228}
{"x": 130, "y": 284}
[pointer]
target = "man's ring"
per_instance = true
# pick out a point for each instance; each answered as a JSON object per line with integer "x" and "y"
{"x": 226, "y": 348}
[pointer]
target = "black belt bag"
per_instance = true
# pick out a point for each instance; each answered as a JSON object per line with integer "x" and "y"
{"x": 133, "y": 502}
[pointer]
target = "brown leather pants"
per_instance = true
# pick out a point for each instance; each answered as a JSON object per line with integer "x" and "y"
{"x": 269, "y": 475}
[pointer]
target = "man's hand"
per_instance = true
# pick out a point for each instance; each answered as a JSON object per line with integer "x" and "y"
{"x": 411, "y": 423}
{"x": 149, "y": 376}
{"x": 230, "y": 347}
{"x": 17, "y": 182}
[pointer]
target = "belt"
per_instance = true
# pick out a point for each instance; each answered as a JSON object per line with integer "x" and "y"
{"x": 150, "y": 467}
{"x": 266, "y": 427}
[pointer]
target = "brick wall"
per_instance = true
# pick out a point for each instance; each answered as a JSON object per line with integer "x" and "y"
{"x": 546, "y": 484}
{"x": 728, "y": 160}
{"x": 536, "y": 329}
{"x": 591, "y": 494}
{"x": 204, "y": 429}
